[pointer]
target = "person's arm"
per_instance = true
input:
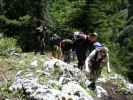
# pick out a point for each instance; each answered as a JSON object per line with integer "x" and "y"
{"x": 88, "y": 59}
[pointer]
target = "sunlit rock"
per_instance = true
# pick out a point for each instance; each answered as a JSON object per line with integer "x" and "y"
{"x": 34, "y": 64}
{"x": 73, "y": 87}
{"x": 102, "y": 79}
{"x": 87, "y": 83}
{"x": 100, "y": 92}
{"x": 129, "y": 87}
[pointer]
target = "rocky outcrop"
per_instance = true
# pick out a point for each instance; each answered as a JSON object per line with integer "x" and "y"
{"x": 57, "y": 80}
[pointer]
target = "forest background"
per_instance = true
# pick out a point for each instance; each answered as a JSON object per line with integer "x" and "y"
{"x": 111, "y": 19}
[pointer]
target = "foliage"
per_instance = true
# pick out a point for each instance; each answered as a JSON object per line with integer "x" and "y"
{"x": 20, "y": 18}
{"x": 126, "y": 42}
{"x": 111, "y": 19}
{"x": 87, "y": 15}
{"x": 8, "y": 46}
{"x": 7, "y": 94}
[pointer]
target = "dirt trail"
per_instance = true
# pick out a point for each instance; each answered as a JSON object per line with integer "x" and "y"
{"x": 114, "y": 93}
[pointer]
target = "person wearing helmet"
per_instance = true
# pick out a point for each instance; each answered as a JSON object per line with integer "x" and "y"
{"x": 40, "y": 41}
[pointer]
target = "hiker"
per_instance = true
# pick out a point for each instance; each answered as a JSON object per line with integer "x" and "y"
{"x": 40, "y": 38}
{"x": 82, "y": 44}
{"x": 94, "y": 62}
{"x": 55, "y": 45}
{"x": 66, "y": 47}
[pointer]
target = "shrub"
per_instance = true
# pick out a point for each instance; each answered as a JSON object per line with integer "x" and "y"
{"x": 8, "y": 46}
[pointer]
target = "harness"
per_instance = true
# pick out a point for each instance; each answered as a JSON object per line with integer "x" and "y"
{"x": 96, "y": 62}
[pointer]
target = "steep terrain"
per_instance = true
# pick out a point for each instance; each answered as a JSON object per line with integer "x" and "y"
{"x": 40, "y": 77}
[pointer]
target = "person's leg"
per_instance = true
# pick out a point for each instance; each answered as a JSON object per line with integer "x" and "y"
{"x": 92, "y": 86}
{"x": 42, "y": 46}
{"x": 80, "y": 60}
{"x": 67, "y": 56}
{"x": 95, "y": 73}
{"x": 59, "y": 52}
{"x": 39, "y": 45}
{"x": 37, "y": 48}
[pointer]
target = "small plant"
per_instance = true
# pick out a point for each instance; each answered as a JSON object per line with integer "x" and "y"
{"x": 7, "y": 94}
{"x": 8, "y": 46}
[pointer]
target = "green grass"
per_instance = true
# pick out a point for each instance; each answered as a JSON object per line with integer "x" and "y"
{"x": 10, "y": 65}
{"x": 8, "y": 46}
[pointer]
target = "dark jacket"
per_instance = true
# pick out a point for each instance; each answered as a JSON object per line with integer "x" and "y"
{"x": 66, "y": 44}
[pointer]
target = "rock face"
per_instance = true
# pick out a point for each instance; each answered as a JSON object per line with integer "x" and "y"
{"x": 57, "y": 80}
{"x": 62, "y": 82}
